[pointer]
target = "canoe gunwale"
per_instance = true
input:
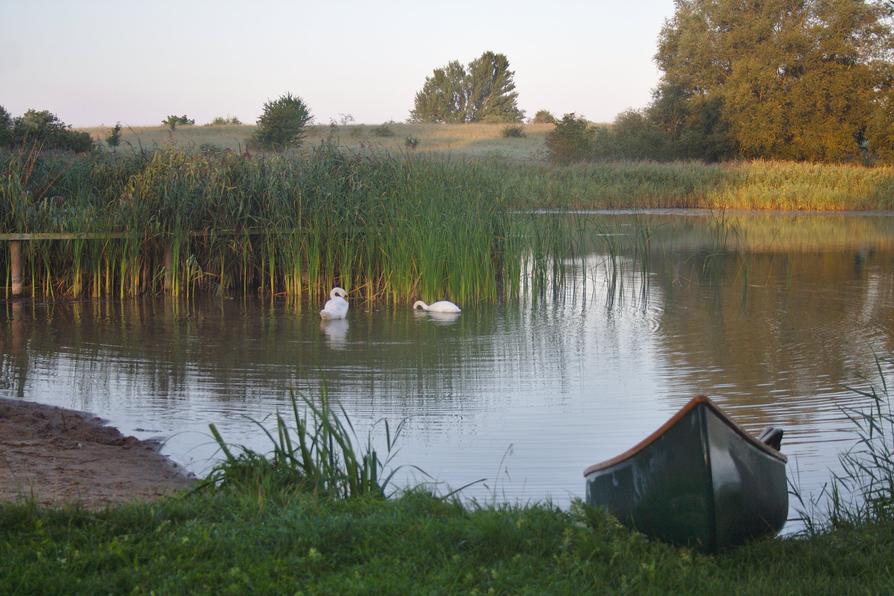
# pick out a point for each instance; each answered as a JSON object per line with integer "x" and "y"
{"x": 691, "y": 405}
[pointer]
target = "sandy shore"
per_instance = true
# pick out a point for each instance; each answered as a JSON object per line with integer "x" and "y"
{"x": 61, "y": 456}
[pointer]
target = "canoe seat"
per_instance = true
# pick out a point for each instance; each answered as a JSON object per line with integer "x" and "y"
{"x": 772, "y": 436}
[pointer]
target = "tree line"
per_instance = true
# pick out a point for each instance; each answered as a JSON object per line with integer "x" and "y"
{"x": 778, "y": 79}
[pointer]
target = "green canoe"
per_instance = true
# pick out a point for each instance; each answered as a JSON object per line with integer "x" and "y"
{"x": 699, "y": 481}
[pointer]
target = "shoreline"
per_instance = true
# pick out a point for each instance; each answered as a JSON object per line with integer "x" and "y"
{"x": 62, "y": 457}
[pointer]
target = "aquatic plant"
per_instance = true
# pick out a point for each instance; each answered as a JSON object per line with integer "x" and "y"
{"x": 321, "y": 455}
{"x": 862, "y": 492}
{"x": 385, "y": 228}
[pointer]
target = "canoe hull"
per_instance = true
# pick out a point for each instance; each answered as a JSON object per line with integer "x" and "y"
{"x": 701, "y": 482}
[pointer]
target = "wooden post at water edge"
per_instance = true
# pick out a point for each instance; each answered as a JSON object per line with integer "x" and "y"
{"x": 15, "y": 266}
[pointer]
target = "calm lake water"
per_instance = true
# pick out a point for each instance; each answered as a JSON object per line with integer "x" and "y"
{"x": 773, "y": 316}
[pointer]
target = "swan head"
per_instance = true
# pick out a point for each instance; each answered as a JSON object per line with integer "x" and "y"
{"x": 420, "y": 304}
{"x": 338, "y": 292}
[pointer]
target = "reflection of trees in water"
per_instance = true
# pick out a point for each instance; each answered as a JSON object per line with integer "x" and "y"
{"x": 242, "y": 351}
{"x": 773, "y": 330}
{"x": 745, "y": 324}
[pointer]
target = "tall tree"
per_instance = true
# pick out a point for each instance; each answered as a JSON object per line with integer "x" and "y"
{"x": 492, "y": 95}
{"x": 444, "y": 96}
{"x": 793, "y": 79}
{"x": 482, "y": 92}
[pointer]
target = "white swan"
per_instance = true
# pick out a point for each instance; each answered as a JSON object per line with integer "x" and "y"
{"x": 439, "y": 306}
{"x": 336, "y": 307}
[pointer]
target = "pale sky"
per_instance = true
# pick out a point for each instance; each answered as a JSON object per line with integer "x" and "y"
{"x": 96, "y": 62}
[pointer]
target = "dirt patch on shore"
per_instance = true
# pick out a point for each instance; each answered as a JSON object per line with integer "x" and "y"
{"x": 61, "y": 456}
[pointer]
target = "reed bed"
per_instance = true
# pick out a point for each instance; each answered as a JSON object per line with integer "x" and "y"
{"x": 384, "y": 227}
{"x": 387, "y": 227}
{"x": 739, "y": 185}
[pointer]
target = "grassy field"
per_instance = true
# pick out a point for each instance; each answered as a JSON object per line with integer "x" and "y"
{"x": 472, "y": 140}
{"x": 233, "y": 543}
{"x": 529, "y": 180}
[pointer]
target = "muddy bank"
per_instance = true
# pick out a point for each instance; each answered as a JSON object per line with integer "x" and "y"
{"x": 62, "y": 456}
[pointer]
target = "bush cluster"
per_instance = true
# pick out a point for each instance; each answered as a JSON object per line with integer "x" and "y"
{"x": 383, "y": 130}
{"x": 543, "y": 117}
{"x": 41, "y": 128}
{"x": 572, "y": 140}
{"x": 517, "y": 132}
{"x": 282, "y": 124}
{"x": 173, "y": 121}
{"x": 224, "y": 121}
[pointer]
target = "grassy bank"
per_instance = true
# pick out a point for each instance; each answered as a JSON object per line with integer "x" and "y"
{"x": 467, "y": 140}
{"x": 231, "y": 543}
{"x": 312, "y": 517}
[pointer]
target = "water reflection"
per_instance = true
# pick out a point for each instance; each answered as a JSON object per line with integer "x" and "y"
{"x": 336, "y": 332}
{"x": 773, "y": 319}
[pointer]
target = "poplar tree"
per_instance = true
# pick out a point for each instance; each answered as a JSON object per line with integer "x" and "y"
{"x": 483, "y": 91}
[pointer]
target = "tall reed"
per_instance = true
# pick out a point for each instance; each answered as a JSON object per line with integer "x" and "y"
{"x": 321, "y": 455}
{"x": 386, "y": 228}
{"x": 863, "y": 491}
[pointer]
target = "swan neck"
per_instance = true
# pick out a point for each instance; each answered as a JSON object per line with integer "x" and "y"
{"x": 420, "y": 304}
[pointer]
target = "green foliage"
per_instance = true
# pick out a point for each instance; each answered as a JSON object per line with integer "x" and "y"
{"x": 482, "y": 92}
{"x": 517, "y": 132}
{"x": 863, "y": 492}
{"x": 544, "y": 117}
{"x": 173, "y": 121}
{"x": 383, "y": 130}
{"x": 321, "y": 455}
{"x": 632, "y": 136}
{"x": 5, "y": 128}
{"x": 225, "y": 121}
{"x": 282, "y": 123}
{"x": 411, "y": 142}
{"x": 114, "y": 138}
{"x": 802, "y": 81}
{"x": 45, "y": 130}
{"x": 572, "y": 140}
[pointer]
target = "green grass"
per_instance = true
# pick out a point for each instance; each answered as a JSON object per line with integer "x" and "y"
{"x": 244, "y": 533}
{"x": 230, "y": 543}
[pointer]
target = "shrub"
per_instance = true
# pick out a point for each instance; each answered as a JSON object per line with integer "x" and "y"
{"x": 411, "y": 142}
{"x": 632, "y": 136}
{"x": 571, "y": 140}
{"x": 173, "y": 121}
{"x": 381, "y": 131}
{"x": 283, "y": 123}
{"x": 114, "y": 138}
{"x": 224, "y": 121}
{"x": 544, "y": 117}
{"x": 514, "y": 132}
{"x": 44, "y": 128}
{"x": 5, "y": 127}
